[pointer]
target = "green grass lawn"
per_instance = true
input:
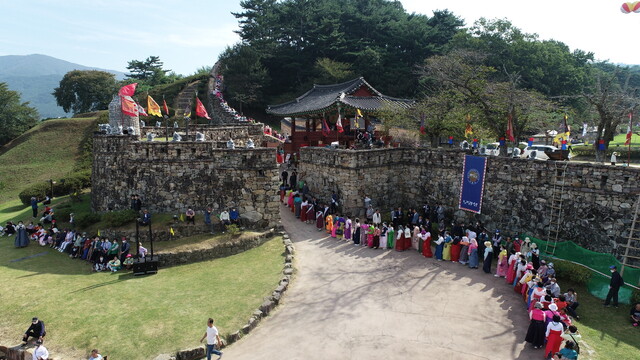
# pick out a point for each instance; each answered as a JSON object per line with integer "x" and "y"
{"x": 47, "y": 151}
{"x": 129, "y": 317}
{"x": 620, "y": 139}
{"x": 606, "y": 332}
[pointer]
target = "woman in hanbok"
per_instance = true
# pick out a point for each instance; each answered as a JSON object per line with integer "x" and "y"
{"x": 537, "y": 294}
{"x": 501, "y": 269}
{"x": 521, "y": 267}
{"x": 319, "y": 219}
{"x": 464, "y": 250}
{"x": 473, "y": 254}
{"x": 370, "y": 231}
{"x": 347, "y": 229}
{"x": 336, "y": 226}
{"x": 364, "y": 229}
{"x": 297, "y": 205}
{"x": 383, "y": 236}
{"x": 376, "y": 237}
{"x": 536, "y": 332}
{"x": 488, "y": 256}
{"x": 22, "y": 239}
{"x": 554, "y": 336}
{"x": 390, "y": 236}
{"x": 425, "y": 238}
{"x": 356, "y": 232}
{"x": 311, "y": 213}
{"x": 407, "y": 237}
{"x": 439, "y": 247}
{"x": 290, "y": 200}
{"x": 446, "y": 253}
{"x": 329, "y": 223}
{"x": 416, "y": 240}
{"x": 455, "y": 249}
{"x": 303, "y": 210}
{"x": 511, "y": 267}
{"x": 400, "y": 239}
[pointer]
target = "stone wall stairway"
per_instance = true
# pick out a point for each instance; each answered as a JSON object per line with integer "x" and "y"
{"x": 555, "y": 207}
{"x": 631, "y": 255}
{"x": 185, "y": 98}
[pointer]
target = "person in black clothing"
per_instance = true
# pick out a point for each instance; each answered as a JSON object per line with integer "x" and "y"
{"x": 138, "y": 203}
{"x": 614, "y": 287}
{"x": 133, "y": 202}
{"x": 36, "y": 330}
{"x": 285, "y": 177}
{"x": 293, "y": 180}
{"x": 124, "y": 249}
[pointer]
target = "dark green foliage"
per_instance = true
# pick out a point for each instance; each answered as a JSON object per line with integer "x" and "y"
{"x": 15, "y": 117}
{"x": 282, "y": 42}
{"x": 170, "y": 91}
{"x": 84, "y": 91}
{"x": 119, "y": 218}
{"x": 86, "y": 220}
{"x": 572, "y": 272}
{"x": 72, "y": 183}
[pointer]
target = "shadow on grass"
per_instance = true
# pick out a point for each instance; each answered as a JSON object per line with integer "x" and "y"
{"x": 13, "y": 209}
{"x": 117, "y": 278}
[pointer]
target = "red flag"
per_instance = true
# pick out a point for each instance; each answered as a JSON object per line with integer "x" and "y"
{"x": 423, "y": 129}
{"x": 325, "y": 128}
{"x": 629, "y": 128}
{"x": 129, "y": 107}
{"x": 128, "y": 90}
{"x": 510, "y": 133}
{"x": 165, "y": 107}
{"x": 200, "y": 110}
{"x": 339, "y": 124}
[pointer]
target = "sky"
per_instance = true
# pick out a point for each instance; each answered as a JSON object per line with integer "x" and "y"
{"x": 188, "y": 35}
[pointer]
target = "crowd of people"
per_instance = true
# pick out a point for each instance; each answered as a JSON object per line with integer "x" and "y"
{"x": 517, "y": 261}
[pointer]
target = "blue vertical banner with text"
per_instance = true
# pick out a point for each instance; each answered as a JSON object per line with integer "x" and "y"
{"x": 472, "y": 185}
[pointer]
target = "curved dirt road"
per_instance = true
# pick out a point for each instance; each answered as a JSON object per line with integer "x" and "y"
{"x": 350, "y": 302}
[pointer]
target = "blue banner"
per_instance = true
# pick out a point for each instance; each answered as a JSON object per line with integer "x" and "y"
{"x": 472, "y": 186}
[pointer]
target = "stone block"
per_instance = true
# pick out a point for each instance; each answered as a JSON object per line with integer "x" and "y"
{"x": 165, "y": 357}
{"x": 191, "y": 354}
{"x": 266, "y": 307}
{"x": 288, "y": 271}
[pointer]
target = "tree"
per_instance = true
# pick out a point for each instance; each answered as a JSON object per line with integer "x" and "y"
{"x": 495, "y": 101}
{"x": 82, "y": 91}
{"x": 331, "y": 72}
{"x": 146, "y": 69}
{"x": 244, "y": 74}
{"x": 15, "y": 117}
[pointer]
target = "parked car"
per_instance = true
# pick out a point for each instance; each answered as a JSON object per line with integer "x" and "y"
{"x": 537, "y": 152}
{"x": 492, "y": 149}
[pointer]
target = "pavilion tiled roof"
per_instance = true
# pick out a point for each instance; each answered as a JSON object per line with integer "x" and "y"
{"x": 325, "y": 97}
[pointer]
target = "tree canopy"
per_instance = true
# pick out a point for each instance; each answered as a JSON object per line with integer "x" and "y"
{"x": 16, "y": 117}
{"x": 85, "y": 90}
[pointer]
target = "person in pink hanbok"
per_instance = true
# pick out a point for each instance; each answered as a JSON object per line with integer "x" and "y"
{"x": 347, "y": 229}
{"x": 503, "y": 266}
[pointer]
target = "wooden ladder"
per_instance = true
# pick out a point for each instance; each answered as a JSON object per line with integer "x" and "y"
{"x": 632, "y": 237}
{"x": 555, "y": 214}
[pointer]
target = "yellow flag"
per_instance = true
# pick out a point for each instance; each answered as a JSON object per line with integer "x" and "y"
{"x": 181, "y": 217}
{"x": 359, "y": 113}
{"x": 98, "y": 232}
{"x": 152, "y": 107}
{"x": 171, "y": 231}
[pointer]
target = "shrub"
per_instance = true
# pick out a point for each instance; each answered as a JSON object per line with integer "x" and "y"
{"x": 73, "y": 182}
{"x": 233, "y": 229}
{"x": 119, "y": 218}
{"x": 62, "y": 214}
{"x": 635, "y": 296}
{"x": 572, "y": 272}
{"x": 86, "y": 220}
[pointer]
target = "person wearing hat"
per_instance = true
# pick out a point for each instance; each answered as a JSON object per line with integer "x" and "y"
{"x": 40, "y": 352}
{"x": 128, "y": 262}
{"x": 542, "y": 270}
{"x": 525, "y": 248}
{"x": 496, "y": 241}
{"x": 36, "y": 330}
{"x": 553, "y": 287}
{"x": 488, "y": 256}
{"x": 614, "y": 286}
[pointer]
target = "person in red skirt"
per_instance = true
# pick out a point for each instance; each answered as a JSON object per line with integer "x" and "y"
{"x": 455, "y": 249}
{"x": 303, "y": 210}
{"x": 400, "y": 239}
{"x": 407, "y": 237}
{"x": 425, "y": 237}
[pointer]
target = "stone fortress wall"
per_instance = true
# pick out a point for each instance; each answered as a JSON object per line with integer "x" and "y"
{"x": 239, "y": 132}
{"x": 598, "y": 199}
{"x": 173, "y": 176}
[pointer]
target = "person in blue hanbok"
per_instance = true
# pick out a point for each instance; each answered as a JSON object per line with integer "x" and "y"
{"x": 473, "y": 254}
{"x": 22, "y": 239}
{"x": 440, "y": 247}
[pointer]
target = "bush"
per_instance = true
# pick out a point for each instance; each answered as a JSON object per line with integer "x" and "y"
{"x": 73, "y": 182}
{"x": 233, "y": 229}
{"x": 62, "y": 215}
{"x": 572, "y": 272}
{"x": 119, "y": 218}
{"x": 86, "y": 220}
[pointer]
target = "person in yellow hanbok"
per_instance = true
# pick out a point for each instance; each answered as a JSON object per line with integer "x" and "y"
{"x": 446, "y": 253}
{"x": 329, "y": 223}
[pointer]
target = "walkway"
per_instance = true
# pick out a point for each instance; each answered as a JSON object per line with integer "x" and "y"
{"x": 349, "y": 302}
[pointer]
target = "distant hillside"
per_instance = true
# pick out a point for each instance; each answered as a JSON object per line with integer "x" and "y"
{"x": 49, "y": 150}
{"x": 35, "y": 77}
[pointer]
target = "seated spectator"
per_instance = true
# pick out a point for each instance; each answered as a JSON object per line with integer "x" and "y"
{"x": 553, "y": 286}
{"x": 99, "y": 265}
{"x": 30, "y": 228}
{"x": 47, "y": 200}
{"x": 142, "y": 251}
{"x": 128, "y": 262}
{"x": 635, "y": 314}
{"x": 114, "y": 265}
{"x": 191, "y": 216}
{"x": 234, "y": 216}
{"x": 146, "y": 218}
{"x": 572, "y": 334}
{"x": 36, "y": 330}
{"x": 224, "y": 220}
{"x": 568, "y": 352}
{"x": 40, "y": 352}
{"x": 95, "y": 355}
{"x": 10, "y": 229}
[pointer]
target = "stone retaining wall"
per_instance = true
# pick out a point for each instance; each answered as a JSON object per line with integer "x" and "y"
{"x": 171, "y": 177}
{"x": 598, "y": 199}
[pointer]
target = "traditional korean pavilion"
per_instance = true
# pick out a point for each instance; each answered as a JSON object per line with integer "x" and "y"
{"x": 355, "y": 100}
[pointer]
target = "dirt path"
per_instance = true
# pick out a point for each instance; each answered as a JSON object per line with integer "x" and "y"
{"x": 349, "y": 302}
